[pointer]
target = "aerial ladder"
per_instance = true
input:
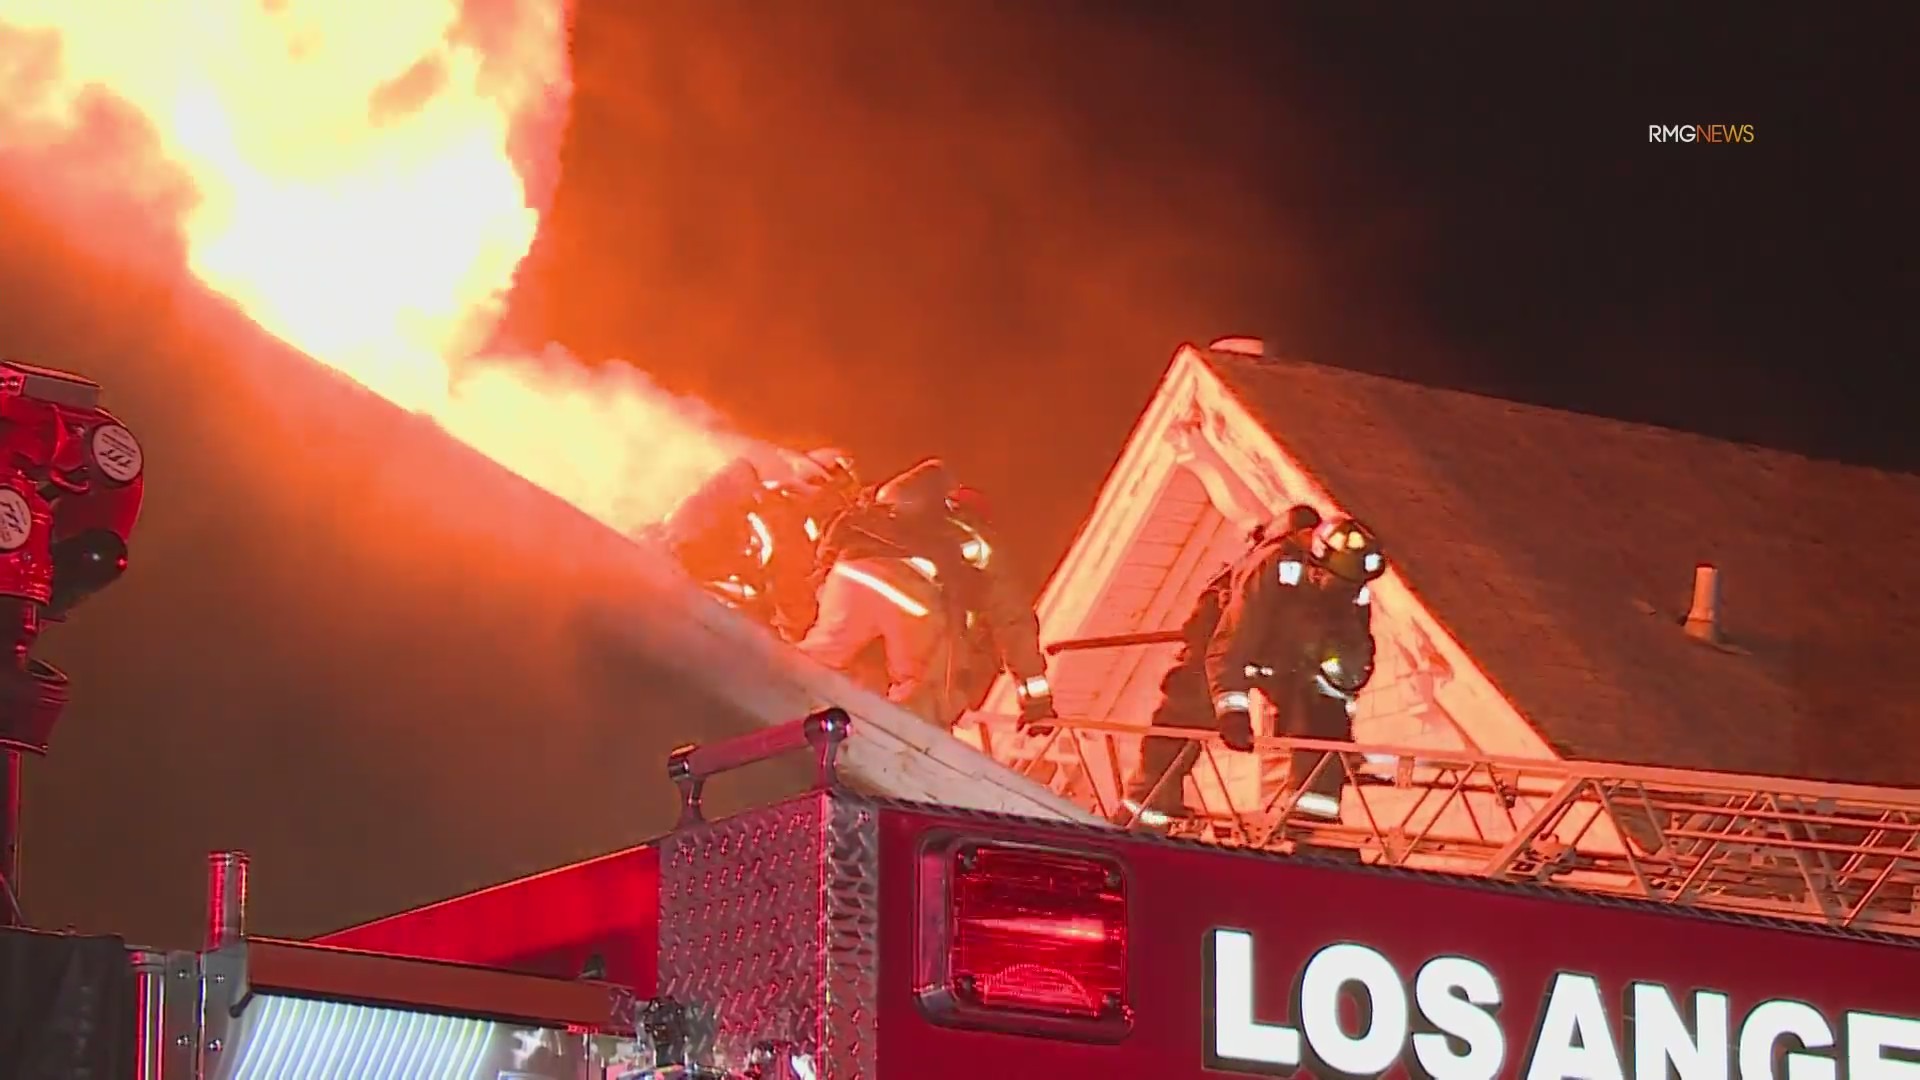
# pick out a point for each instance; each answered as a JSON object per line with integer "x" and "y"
{"x": 1842, "y": 855}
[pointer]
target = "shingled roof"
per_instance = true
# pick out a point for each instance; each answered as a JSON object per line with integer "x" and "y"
{"x": 1559, "y": 549}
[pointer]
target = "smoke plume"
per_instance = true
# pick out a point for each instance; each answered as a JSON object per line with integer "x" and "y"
{"x": 348, "y": 644}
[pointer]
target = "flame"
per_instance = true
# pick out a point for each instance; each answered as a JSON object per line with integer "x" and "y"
{"x": 358, "y": 197}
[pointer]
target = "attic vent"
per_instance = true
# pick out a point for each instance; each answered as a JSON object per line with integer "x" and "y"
{"x": 1703, "y": 617}
{"x": 1239, "y": 346}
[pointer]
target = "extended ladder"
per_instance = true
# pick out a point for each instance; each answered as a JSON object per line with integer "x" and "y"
{"x": 1840, "y": 854}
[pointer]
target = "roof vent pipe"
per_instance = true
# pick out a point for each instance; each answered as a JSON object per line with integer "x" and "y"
{"x": 1703, "y": 617}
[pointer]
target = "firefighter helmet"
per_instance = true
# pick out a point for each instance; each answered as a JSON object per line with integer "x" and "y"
{"x": 1300, "y": 517}
{"x": 837, "y": 472}
{"x": 831, "y": 459}
{"x": 971, "y": 503}
{"x": 972, "y": 513}
{"x": 923, "y": 488}
{"x": 1348, "y": 550}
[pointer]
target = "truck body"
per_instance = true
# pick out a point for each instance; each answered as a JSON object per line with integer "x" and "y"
{"x": 843, "y": 936}
{"x": 839, "y": 936}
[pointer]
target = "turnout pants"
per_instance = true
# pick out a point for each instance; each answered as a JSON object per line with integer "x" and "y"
{"x": 1317, "y": 774}
{"x": 1302, "y": 710}
{"x": 1184, "y": 702}
{"x": 868, "y": 600}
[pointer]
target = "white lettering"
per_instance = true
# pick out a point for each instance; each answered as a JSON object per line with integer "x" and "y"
{"x": 1237, "y": 1036}
{"x": 1458, "y": 996}
{"x": 1327, "y": 974}
{"x": 1870, "y": 1036}
{"x": 1444, "y": 1024}
{"x": 1767, "y": 1024}
{"x": 1575, "y": 1014}
{"x": 1660, "y": 1035}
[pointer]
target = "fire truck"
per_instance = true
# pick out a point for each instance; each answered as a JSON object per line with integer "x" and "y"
{"x": 838, "y": 935}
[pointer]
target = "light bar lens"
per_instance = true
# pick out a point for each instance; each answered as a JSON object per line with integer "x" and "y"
{"x": 1038, "y": 931}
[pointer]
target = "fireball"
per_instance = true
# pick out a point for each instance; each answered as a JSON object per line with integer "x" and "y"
{"x": 362, "y": 192}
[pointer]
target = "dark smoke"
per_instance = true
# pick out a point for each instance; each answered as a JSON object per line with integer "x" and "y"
{"x": 336, "y": 646}
{"x": 971, "y": 229}
{"x": 345, "y": 644}
{"x": 980, "y": 228}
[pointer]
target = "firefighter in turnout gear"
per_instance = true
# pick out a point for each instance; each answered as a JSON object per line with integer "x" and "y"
{"x": 752, "y": 542}
{"x": 825, "y": 488}
{"x": 1292, "y": 619}
{"x": 1000, "y": 633}
{"x": 906, "y": 568}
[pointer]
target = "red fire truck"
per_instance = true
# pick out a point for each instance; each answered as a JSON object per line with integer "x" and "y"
{"x": 840, "y": 936}
{"x": 845, "y": 937}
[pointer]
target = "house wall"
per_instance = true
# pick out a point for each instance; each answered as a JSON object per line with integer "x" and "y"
{"x": 1438, "y": 695}
{"x": 1198, "y": 473}
{"x": 1427, "y": 693}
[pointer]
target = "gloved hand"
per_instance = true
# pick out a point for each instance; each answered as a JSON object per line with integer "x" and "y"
{"x": 1344, "y": 676}
{"x": 1035, "y": 695}
{"x": 1327, "y": 689}
{"x": 1035, "y": 711}
{"x": 1236, "y": 729}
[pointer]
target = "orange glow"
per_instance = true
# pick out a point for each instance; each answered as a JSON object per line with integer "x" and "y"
{"x": 357, "y": 199}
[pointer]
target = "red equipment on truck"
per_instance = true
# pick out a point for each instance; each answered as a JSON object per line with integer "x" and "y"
{"x": 840, "y": 937}
{"x": 71, "y": 482}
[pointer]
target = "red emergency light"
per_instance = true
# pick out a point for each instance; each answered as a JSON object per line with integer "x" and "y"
{"x": 1024, "y": 939}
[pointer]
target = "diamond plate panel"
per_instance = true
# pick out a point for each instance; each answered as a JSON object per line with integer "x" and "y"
{"x": 769, "y": 928}
{"x": 852, "y": 938}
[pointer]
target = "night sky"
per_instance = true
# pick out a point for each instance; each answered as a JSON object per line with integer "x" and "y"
{"x": 1025, "y": 214}
{"x": 975, "y": 229}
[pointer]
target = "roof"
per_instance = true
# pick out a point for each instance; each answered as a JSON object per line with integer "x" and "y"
{"x": 385, "y": 667}
{"x": 1559, "y": 550}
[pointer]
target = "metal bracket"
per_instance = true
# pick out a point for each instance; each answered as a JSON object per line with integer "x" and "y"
{"x": 178, "y": 1045}
{"x": 665, "y": 1023}
{"x": 777, "y": 1059}
{"x": 223, "y": 989}
{"x": 690, "y": 767}
{"x": 665, "y": 1028}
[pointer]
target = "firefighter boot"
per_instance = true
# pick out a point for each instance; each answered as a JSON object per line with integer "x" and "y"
{"x": 1327, "y": 853}
{"x": 1156, "y": 799}
{"x": 1318, "y": 777}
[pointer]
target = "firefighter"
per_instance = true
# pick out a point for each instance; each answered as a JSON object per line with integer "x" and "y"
{"x": 904, "y": 568}
{"x": 796, "y": 513}
{"x": 752, "y": 542}
{"x": 1291, "y": 618}
{"x": 1000, "y": 633}
{"x": 828, "y": 487}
